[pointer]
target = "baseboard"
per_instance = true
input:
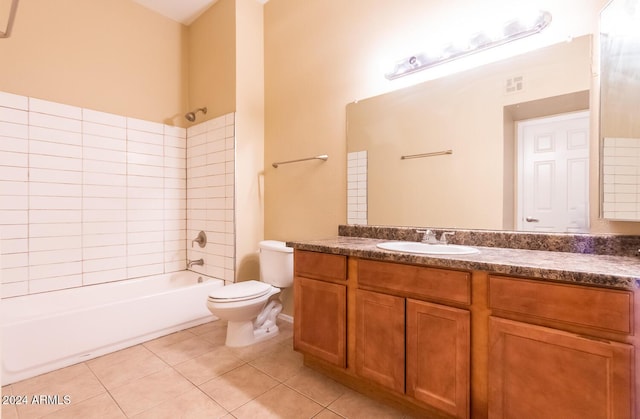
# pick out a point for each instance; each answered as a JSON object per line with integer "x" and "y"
{"x": 285, "y": 317}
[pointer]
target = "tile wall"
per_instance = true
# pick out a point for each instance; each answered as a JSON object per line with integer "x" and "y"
{"x": 621, "y": 178}
{"x": 88, "y": 197}
{"x": 357, "y": 187}
{"x": 210, "y": 195}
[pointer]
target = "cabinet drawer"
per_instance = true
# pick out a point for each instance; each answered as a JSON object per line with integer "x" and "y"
{"x": 605, "y": 309}
{"x": 320, "y": 265}
{"x": 417, "y": 281}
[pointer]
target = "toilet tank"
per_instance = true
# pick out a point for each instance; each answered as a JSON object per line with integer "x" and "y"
{"x": 276, "y": 263}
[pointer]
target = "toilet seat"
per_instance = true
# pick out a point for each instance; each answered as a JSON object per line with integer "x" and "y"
{"x": 240, "y": 291}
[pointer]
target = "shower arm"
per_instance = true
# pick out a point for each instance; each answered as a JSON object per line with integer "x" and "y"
{"x": 12, "y": 16}
{"x": 191, "y": 116}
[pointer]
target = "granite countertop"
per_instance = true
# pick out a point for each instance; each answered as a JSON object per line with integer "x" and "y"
{"x": 621, "y": 272}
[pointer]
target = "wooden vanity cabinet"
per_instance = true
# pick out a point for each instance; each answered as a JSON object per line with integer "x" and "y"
{"x": 402, "y": 332}
{"x": 539, "y": 371}
{"x": 320, "y": 306}
{"x": 380, "y": 341}
{"x": 438, "y": 356}
{"x": 430, "y": 341}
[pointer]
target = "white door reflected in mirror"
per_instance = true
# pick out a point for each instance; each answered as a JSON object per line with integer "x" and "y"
{"x": 553, "y": 173}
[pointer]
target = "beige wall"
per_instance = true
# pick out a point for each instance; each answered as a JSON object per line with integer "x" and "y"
{"x": 321, "y": 55}
{"x": 249, "y": 93}
{"x": 226, "y": 62}
{"x": 212, "y": 60}
{"x": 109, "y": 55}
{"x": 119, "y": 57}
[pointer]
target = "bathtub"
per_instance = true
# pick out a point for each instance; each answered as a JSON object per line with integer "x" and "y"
{"x": 47, "y": 331}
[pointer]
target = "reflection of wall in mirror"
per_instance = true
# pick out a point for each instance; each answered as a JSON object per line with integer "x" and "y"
{"x": 466, "y": 112}
{"x": 619, "y": 104}
{"x": 620, "y": 66}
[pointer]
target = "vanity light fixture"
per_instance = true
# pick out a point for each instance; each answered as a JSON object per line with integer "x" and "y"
{"x": 510, "y": 31}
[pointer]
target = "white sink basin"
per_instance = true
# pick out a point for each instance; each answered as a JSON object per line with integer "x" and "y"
{"x": 428, "y": 249}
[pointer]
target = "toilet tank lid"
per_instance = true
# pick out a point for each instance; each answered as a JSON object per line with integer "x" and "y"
{"x": 275, "y": 245}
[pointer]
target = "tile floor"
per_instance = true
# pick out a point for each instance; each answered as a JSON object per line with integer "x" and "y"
{"x": 191, "y": 374}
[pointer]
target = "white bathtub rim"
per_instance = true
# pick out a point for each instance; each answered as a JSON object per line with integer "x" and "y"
{"x": 8, "y": 320}
{"x": 15, "y": 368}
{"x": 75, "y": 359}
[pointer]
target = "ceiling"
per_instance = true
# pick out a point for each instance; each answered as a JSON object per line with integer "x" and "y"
{"x": 183, "y": 11}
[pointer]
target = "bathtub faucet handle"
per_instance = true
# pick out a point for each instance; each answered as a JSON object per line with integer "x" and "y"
{"x": 201, "y": 239}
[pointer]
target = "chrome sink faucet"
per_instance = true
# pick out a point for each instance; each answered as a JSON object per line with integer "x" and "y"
{"x": 443, "y": 236}
{"x": 430, "y": 236}
{"x": 198, "y": 262}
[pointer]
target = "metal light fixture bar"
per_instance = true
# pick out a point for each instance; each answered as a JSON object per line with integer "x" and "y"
{"x": 511, "y": 31}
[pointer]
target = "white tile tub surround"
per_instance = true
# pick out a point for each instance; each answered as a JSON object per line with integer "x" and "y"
{"x": 210, "y": 195}
{"x": 104, "y": 212}
{"x": 14, "y": 190}
{"x": 621, "y": 178}
{"x": 175, "y": 198}
{"x": 88, "y": 197}
{"x": 145, "y": 198}
{"x": 357, "y": 187}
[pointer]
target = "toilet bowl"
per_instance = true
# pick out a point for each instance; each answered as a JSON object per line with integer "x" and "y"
{"x": 251, "y": 307}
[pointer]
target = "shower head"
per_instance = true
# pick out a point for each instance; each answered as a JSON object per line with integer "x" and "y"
{"x": 191, "y": 116}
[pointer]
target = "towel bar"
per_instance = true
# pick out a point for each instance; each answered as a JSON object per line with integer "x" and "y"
{"x": 320, "y": 157}
{"x": 418, "y": 156}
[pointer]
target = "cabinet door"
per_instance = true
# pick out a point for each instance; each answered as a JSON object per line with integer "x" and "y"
{"x": 537, "y": 372}
{"x": 380, "y": 338}
{"x": 320, "y": 310}
{"x": 438, "y": 356}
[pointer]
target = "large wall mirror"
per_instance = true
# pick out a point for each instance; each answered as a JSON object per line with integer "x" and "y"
{"x": 511, "y": 142}
{"x": 620, "y": 110}
{"x": 476, "y": 120}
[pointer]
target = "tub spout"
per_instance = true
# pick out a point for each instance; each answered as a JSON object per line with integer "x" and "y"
{"x": 198, "y": 262}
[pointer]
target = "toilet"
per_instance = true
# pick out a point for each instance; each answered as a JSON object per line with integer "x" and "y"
{"x": 251, "y": 307}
